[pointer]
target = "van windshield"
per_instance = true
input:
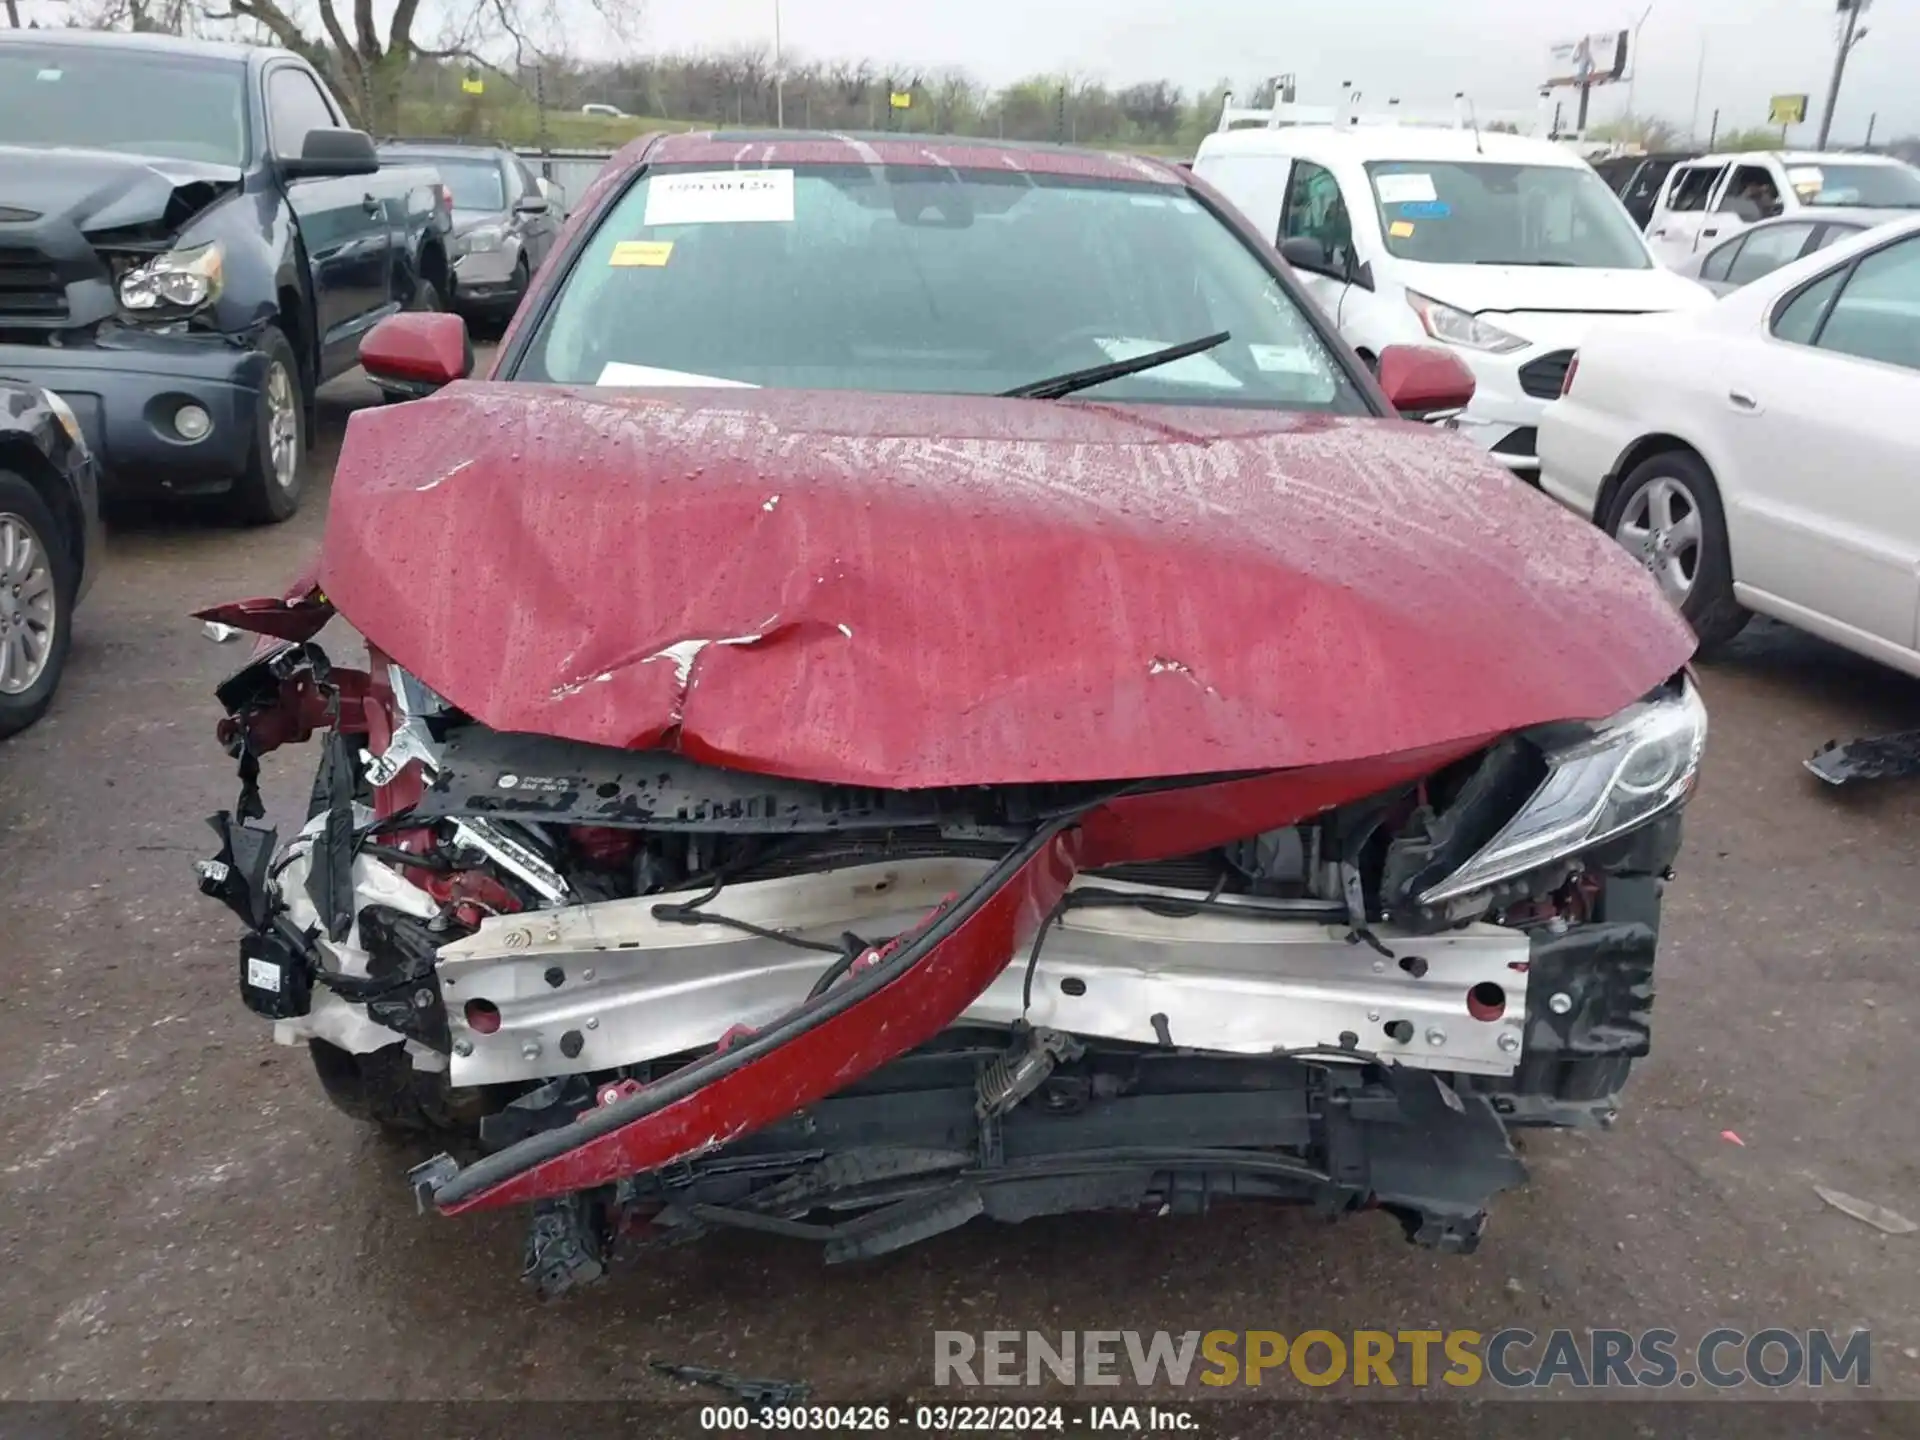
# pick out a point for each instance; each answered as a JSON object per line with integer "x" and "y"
{"x": 1447, "y": 212}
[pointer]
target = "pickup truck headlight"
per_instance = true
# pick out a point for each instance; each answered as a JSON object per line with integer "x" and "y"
{"x": 174, "y": 283}
{"x": 1456, "y": 327}
{"x": 1605, "y": 780}
{"x": 484, "y": 237}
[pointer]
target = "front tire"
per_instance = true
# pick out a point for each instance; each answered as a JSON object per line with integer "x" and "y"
{"x": 38, "y": 580}
{"x": 382, "y": 1088}
{"x": 1667, "y": 515}
{"x": 268, "y": 490}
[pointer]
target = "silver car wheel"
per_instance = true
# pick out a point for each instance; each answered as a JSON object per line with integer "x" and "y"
{"x": 283, "y": 426}
{"x": 29, "y": 613}
{"x": 1661, "y": 528}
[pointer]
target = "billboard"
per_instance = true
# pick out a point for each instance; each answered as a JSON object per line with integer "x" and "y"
{"x": 1597, "y": 59}
{"x": 1787, "y": 110}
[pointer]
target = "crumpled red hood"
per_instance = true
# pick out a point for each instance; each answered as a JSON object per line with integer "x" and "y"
{"x": 909, "y": 591}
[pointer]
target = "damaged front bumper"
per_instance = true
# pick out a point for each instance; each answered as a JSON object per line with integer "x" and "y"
{"x": 703, "y": 998}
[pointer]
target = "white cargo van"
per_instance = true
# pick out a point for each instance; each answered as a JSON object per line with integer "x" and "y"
{"x": 1500, "y": 247}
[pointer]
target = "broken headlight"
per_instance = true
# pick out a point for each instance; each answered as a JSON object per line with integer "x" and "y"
{"x": 1602, "y": 781}
{"x": 174, "y": 283}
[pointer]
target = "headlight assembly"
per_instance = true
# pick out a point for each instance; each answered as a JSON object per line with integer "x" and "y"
{"x": 1456, "y": 327}
{"x": 1604, "y": 781}
{"x": 174, "y": 283}
{"x": 484, "y": 237}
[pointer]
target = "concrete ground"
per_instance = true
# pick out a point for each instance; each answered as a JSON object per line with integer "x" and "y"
{"x": 185, "y": 1216}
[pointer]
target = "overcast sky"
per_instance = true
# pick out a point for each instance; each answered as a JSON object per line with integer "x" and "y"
{"x": 1420, "y": 50}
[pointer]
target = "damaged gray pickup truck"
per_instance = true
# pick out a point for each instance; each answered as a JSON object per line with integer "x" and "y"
{"x": 928, "y": 684}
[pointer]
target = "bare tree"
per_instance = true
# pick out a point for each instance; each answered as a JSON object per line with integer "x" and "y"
{"x": 368, "y": 69}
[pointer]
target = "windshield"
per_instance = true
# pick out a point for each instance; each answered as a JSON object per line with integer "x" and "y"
{"x": 1475, "y": 213}
{"x": 475, "y": 183}
{"x": 123, "y": 100}
{"x": 912, "y": 279}
{"x": 1875, "y": 187}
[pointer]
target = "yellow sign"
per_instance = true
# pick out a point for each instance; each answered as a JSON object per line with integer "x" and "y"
{"x": 1400, "y": 229}
{"x": 901, "y": 99}
{"x": 472, "y": 84}
{"x": 652, "y": 253}
{"x": 1787, "y": 110}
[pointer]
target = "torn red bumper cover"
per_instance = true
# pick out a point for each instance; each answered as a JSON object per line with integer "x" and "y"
{"x": 918, "y": 592}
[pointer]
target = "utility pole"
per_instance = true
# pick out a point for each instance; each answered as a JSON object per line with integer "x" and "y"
{"x": 1850, "y": 36}
{"x": 1633, "y": 60}
{"x": 779, "y": 75}
{"x": 1699, "y": 83}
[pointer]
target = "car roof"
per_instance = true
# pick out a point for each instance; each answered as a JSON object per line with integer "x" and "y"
{"x": 1363, "y": 143}
{"x": 1832, "y": 214}
{"x": 1797, "y": 157}
{"x": 809, "y": 147}
{"x": 450, "y": 149}
{"x": 129, "y": 40}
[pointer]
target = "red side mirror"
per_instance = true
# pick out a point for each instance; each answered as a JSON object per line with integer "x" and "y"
{"x": 1422, "y": 380}
{"x": 417, "y": 352}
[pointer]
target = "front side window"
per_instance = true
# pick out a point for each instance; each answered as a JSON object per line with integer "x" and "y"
{"x": 1716, "y": 265}
{"x": 1754, "y": 184}
{"x": 1478, "y": 213}
{"x": 1316, "y": 210}
{"x": 295, "y": 107}
{"x": 912, "y": 279}
{"x": 1693, "y": 186}
{"x": 128, "y": 101}
{"x": 1766, "y": 250}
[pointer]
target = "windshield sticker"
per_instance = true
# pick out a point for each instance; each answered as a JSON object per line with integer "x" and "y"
{"x": 720, "y": 197}
{"x": 1399, "y": 189}
{"x": 1400, "y": 229}
{"x": 49, "y": 74}
{"x": 1806, "y": 178}
{"x": 1282, "y": 359}
{"x": 1425, "y": 210}
{"x": 1193, "y": 370}
{"x": 653, "y": 253}
{"x": 618, "y": 372}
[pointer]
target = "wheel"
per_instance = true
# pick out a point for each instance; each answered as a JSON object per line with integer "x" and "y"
{"x": 426, "y": 296}
{"x": 1667, "y": 515}
{"x": 382, "y": 1088}
{"x": 38, "y": 580}
{"x": 268, "y": 490}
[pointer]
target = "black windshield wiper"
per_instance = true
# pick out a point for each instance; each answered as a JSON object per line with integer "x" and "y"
{"x": 1093, "y": 375}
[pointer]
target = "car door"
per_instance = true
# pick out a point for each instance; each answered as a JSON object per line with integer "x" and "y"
{"x": 538, "y": 226}
{"x": 1315, "y": 208}
{"x": 1682, "y": 214}
{"x": 1826, "y": 453}
{"x": 343, "y": 223}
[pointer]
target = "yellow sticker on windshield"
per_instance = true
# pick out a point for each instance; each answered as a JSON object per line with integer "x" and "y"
{"x": 654, "y": 253}
{"x": 1400, "y": 229}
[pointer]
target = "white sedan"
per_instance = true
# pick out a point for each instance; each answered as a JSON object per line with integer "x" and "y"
{"x": 1764, "y": 454}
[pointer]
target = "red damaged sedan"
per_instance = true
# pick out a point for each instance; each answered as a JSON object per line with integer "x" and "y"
{"x": 929, "y": 684}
